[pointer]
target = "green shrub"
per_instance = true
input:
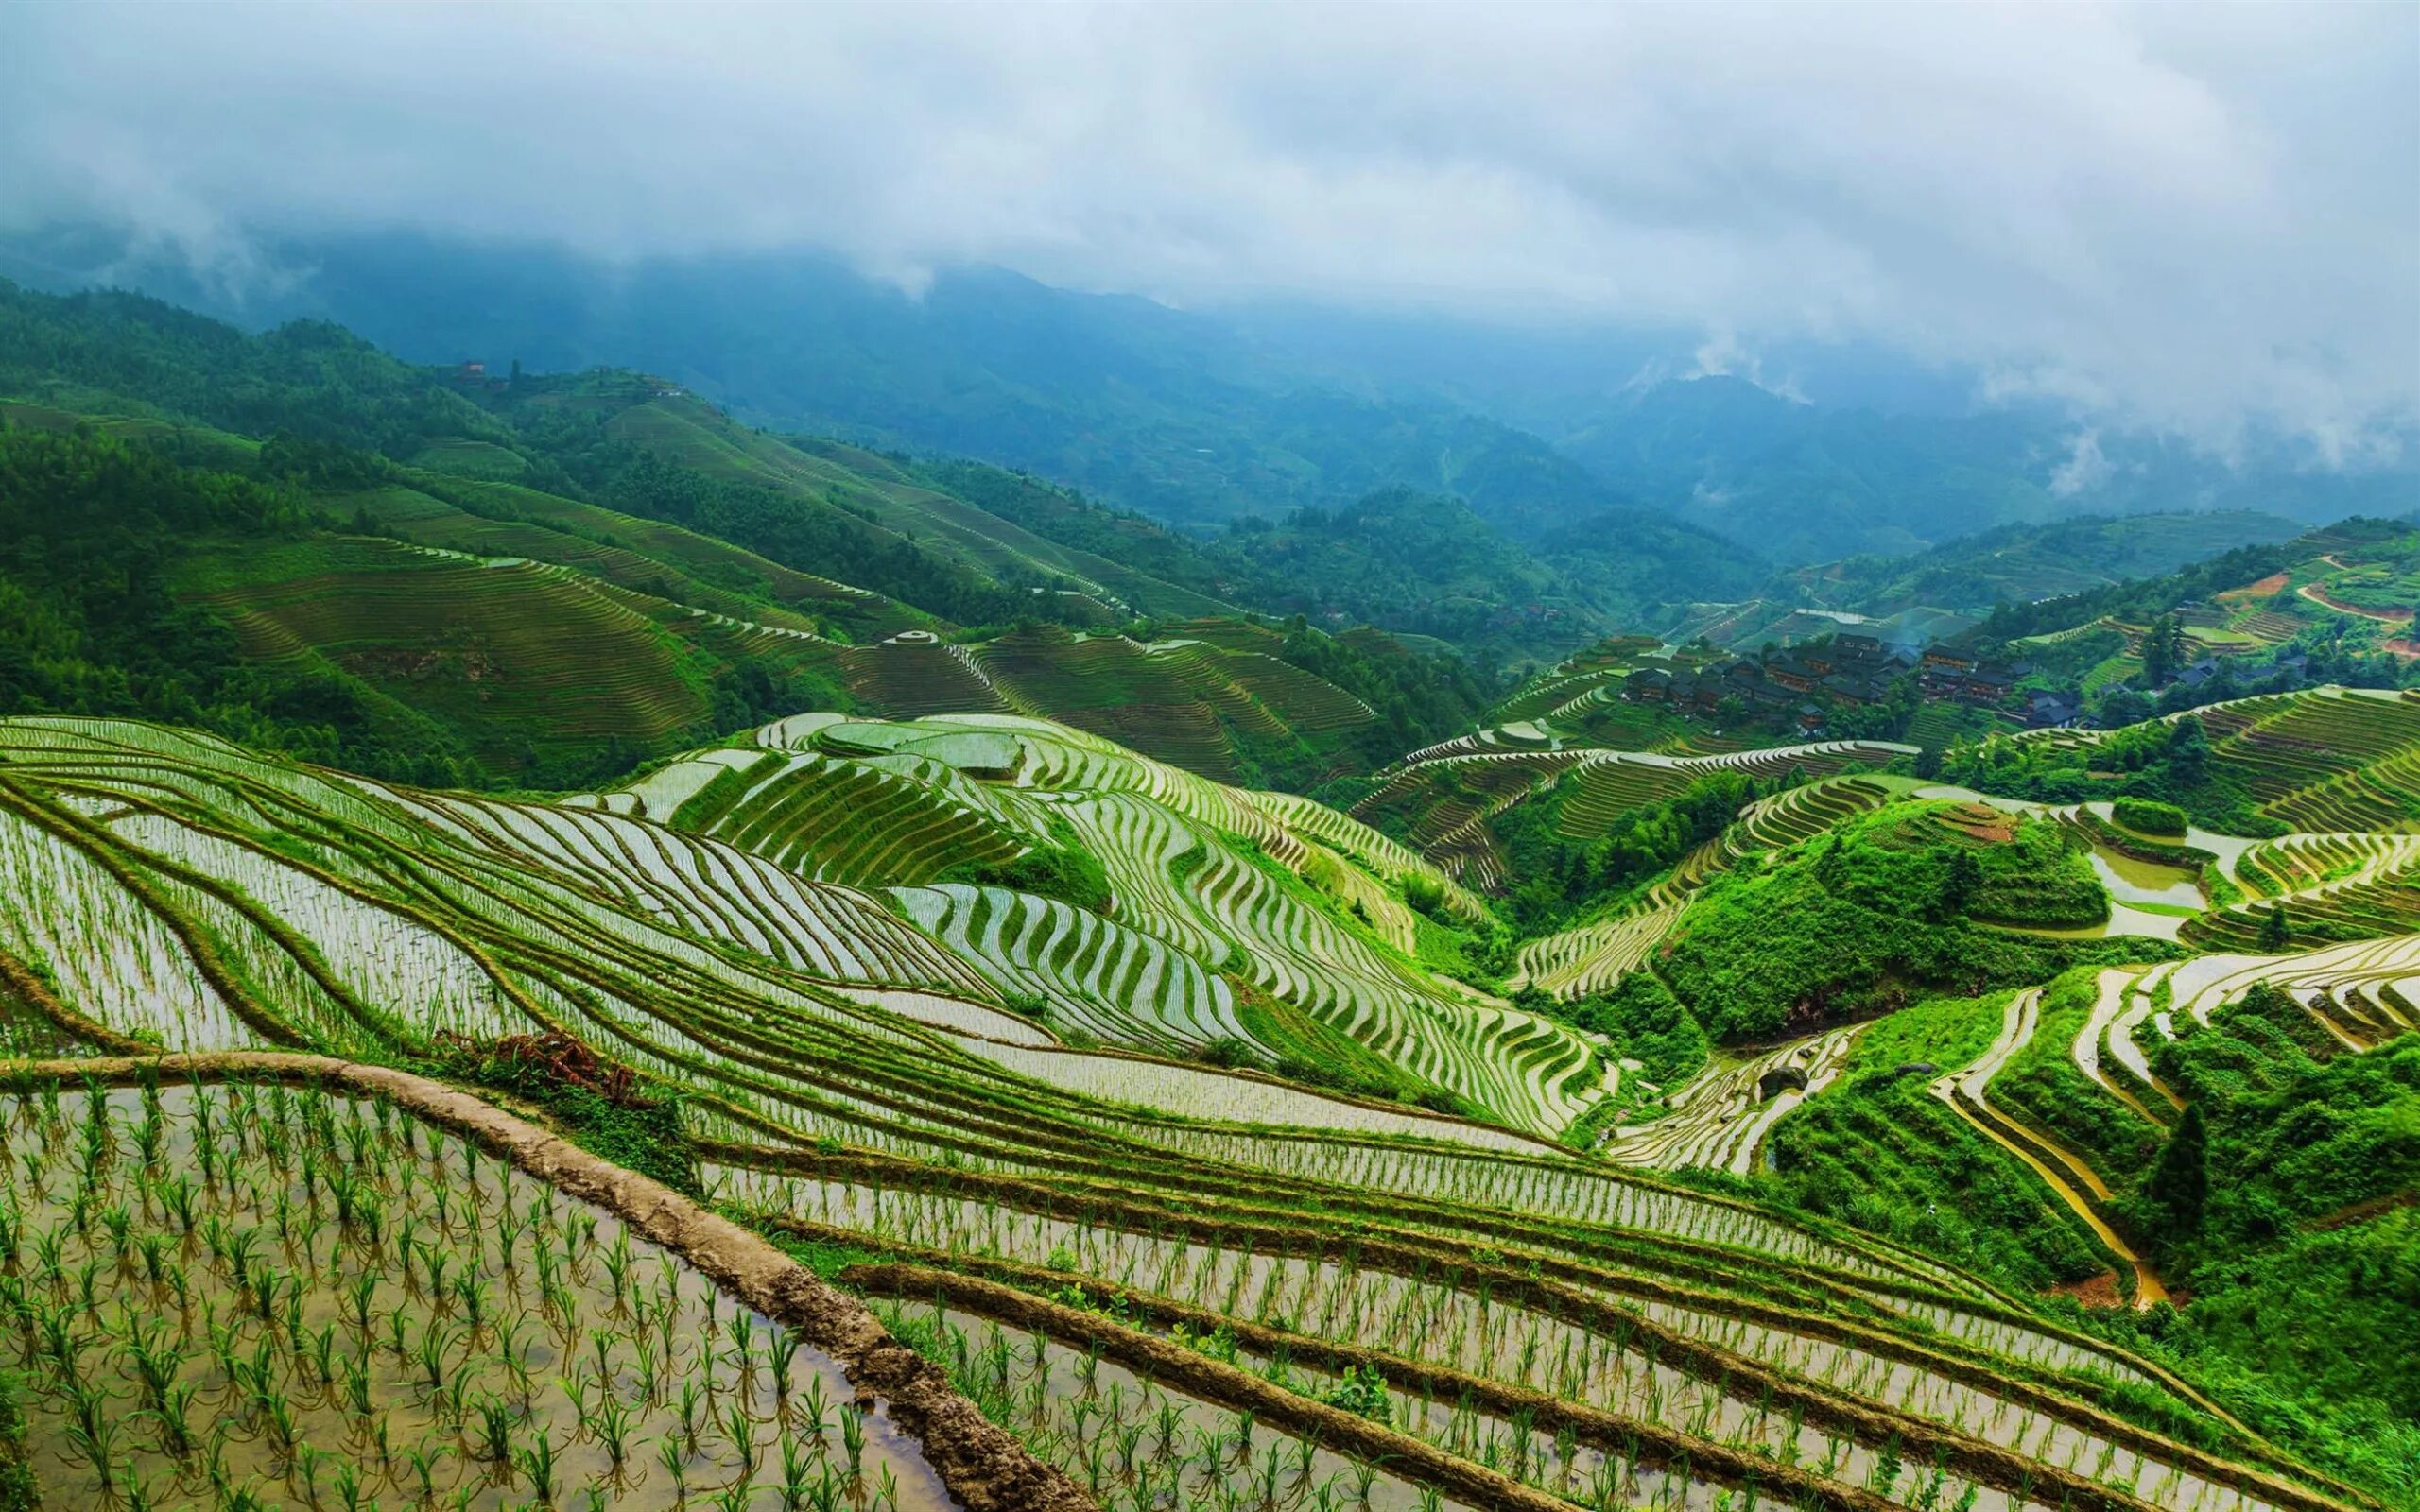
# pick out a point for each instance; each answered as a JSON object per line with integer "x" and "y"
{"x": 646, "y": 1134}
{"x": 1065, "y": 870}
{"x": 1647, "y": 1024}
{"x": 1880, "y": 912}
{"x": 2149, "y": 815}
{"x": 1227, "y": 1052}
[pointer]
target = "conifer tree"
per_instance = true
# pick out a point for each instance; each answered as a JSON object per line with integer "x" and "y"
{"x": 2181, "y": 1183}
{"x": 2273, "y": 934}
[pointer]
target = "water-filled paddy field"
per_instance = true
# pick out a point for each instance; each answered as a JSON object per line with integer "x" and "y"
{"x": 245, "y": 1297}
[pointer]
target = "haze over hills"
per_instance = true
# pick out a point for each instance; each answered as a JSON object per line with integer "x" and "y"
{"x": 1189, "y": 417}
{"x": 1066, "y": 759}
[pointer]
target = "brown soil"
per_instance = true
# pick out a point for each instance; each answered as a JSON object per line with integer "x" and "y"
{"x": 984, "y": 1469}
{"x": 1974, "y": 1459}
{"x": 2384, "y": 617}
{"x": 1197, "y": 1374}
{"x": 1980, "y": 822}
{"x": 2096, "y": 1291}
{"x": 1555, "y": 1285}
{"x": 2364, "y": 1212}
{"x": 2260, "y": 590}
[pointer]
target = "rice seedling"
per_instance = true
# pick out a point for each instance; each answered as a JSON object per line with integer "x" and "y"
{"x": 395, "y": 1368}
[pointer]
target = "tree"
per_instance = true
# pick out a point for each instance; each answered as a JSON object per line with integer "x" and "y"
{"x": 1962, "y": 885}
{"x": 2274, "y": 936}
{"x": 2163, "y": 650}
{"x": 2188, "y": 750}
{"x": 2121, "y": 706}
{"x": 2180, "y": 1185}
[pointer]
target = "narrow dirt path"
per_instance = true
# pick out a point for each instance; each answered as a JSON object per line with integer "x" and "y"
{"x": 1964, "y": 1092}
{"x": 2313, "y": 592}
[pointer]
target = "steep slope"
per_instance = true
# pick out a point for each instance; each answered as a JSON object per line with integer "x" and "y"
{"x": 2023, "y": 563}
{"x": 1810, "y": 482}
{"x": 418, "y": 573}
{"x": 857, "y": 1087}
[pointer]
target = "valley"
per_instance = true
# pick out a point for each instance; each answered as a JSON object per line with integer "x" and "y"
{"x": 945, "y": 993}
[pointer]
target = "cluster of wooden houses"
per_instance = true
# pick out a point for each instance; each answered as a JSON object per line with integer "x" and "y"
{"x": 1802, "y": 684}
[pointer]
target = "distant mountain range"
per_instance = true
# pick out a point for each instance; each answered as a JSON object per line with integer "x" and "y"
{"x": 1553, "y": 438}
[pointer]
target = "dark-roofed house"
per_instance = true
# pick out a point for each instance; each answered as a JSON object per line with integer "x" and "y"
{"x": 2199, "y": 672}
{"x": 1849, "y": 688}
{"x": 2047, "y": 709}
{"x": 1792, "y": 674}
{"x": 1990, "y": 684}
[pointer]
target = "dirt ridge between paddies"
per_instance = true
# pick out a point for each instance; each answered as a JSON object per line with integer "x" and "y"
{"x": 1974, "y": 1458}
{"x": 1569, "y": 1284}
{"x": 1196, "y": 1373}
{"x": 1236, "y": 1388}
{"x": 983, "y": 1468}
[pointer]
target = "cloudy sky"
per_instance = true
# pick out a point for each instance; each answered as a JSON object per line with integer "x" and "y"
{"x": 2193, "y": 216}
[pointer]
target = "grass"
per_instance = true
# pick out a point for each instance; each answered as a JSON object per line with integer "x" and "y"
{"x": 1880, "y": 1152}
{"x": 520, "y": 659}
{"x": 2045, "y": 1088}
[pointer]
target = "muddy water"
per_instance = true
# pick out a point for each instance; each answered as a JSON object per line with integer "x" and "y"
{"x": 2133, "y": 881}
{"x": 314, "y": 1302}
{"x": 1560, "y": 1464}
{"x": 2123, "y": 922}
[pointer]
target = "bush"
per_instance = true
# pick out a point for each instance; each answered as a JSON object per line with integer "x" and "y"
{"x": 1227, "y": 1052}
{"x": 1884, "y": 910}
{"x": 1647, "y": 1024}
{"x": 1065, "y": 870}
{"x": 2149, "y": 815}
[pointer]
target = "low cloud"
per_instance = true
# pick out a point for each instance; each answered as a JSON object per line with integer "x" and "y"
{"x": 2086, "y": 468}
{"x": 2199, "y": 218}
{"x": 1722, "y": 356}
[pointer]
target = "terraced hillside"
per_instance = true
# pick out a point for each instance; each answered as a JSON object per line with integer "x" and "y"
{"x": 300, "y": 541}
{"x": 2319, "y": 761}
{"x": 263, "y": 1190}
{"x": 1182, "y": 1284}
{"x": 1212, "y": 894}
{"x": 1441, "y": 798}
{"x": 2327, "y": 604}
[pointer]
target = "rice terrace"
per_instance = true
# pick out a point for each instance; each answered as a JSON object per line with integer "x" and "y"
{"x": 1201, "y": 759}
{"x": 1222, "y": 1195}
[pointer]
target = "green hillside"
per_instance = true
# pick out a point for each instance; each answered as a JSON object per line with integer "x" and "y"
{"x": 2022, "y": 563}
{"x": 560, "y": 951}
{"x": 421, "y": 575}
{"x": 991, "y": 1015}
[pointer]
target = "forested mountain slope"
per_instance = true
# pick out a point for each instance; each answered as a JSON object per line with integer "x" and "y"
{"x": 1198, "y": 416}
{"x": 2021, "y": 563}
{"x": 302, "y": 543}
{"x": 1590, "y": 1109}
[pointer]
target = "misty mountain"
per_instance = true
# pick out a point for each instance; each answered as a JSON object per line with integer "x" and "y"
{"x": 1199, "y": 419}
